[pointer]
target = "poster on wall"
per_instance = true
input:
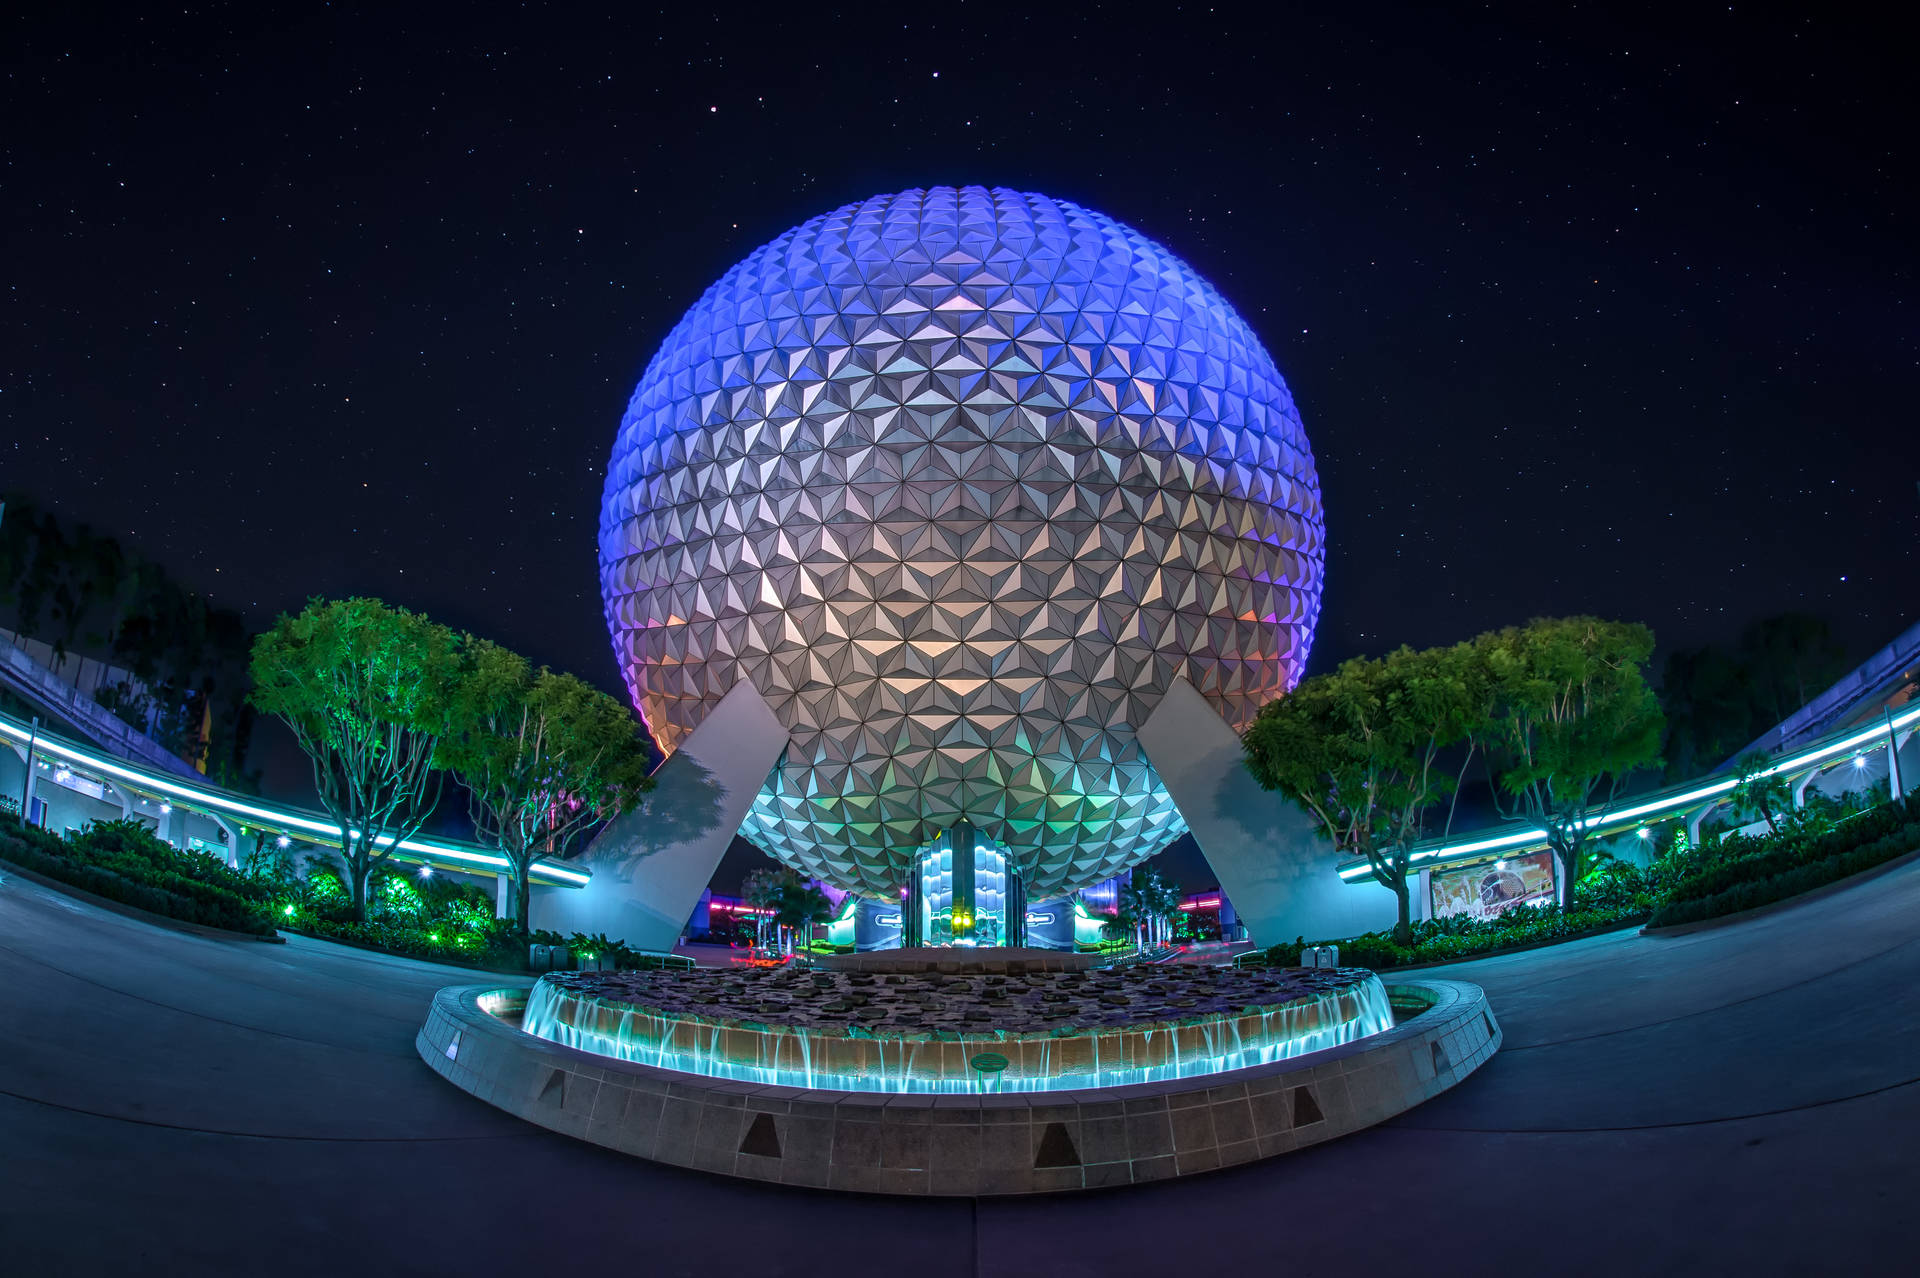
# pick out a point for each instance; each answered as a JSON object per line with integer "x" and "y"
{"x": 1489, "y": 889}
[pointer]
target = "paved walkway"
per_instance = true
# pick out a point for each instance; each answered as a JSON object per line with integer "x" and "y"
{"x": 1741, "y": 1100}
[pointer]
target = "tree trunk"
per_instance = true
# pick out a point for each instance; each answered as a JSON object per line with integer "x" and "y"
{"x": 522, "y": 897}
{"x": 357, "y": 871}
{"x": 1403, "y": 930}
{"x": 1569, "y": 859}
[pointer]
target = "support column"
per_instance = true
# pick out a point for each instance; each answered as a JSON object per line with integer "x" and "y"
{"x": 651, "y": 864}
{"x": 126, "y": 804}
{"x": 910, "y": 933}
{"x": 27, "y": 787}
{"x": 1016, "y": 909}
{"x": 960, "y": 845}
{"x": 1895, "y": 790}
{"x": 1800, "y": 788}
{"x": 1267, "y": 854}
{"x": 233, "y": 839}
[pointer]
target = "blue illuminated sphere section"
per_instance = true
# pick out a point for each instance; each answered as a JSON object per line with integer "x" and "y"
{"x": 962, "y": 480}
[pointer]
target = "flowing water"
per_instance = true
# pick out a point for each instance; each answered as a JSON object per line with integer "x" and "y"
{"x": 839, "y": 1060}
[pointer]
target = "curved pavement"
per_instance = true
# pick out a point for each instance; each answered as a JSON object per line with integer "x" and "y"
{"x": 1739, "y": 1099}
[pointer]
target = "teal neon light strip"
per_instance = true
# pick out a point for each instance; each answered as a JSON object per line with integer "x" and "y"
{"x": 292, "y": 820}
{"x": 1660, "y": 806}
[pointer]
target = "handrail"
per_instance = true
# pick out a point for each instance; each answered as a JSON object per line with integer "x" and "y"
{"x": 305, "y": 823}
{"x": 1660, "y": 805}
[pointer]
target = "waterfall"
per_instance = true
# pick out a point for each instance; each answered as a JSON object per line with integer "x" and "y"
{"x": 840, "y": 1062}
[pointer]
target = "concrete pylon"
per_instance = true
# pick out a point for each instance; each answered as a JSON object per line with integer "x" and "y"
{"x": 650, "y": 865}
{"x": 1273, "y": 864}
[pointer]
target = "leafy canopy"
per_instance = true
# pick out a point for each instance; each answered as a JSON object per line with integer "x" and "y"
{"x": 1572, "y": 707}
{"x": 1360, "y": 748}
{"x": 369, "y": 691}
{"x": 543, "y": 754}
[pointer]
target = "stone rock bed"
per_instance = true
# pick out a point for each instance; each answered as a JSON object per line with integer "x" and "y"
{"x": 934, "y": 1005}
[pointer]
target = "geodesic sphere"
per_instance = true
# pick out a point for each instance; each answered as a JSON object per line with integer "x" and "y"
{"x": 961, "y": 481}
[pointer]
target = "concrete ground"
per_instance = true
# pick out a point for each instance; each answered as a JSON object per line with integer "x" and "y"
{"x": 1734, "y": 1101}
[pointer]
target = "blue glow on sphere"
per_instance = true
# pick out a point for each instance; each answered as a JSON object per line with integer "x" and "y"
{"x": 962, "y": 480}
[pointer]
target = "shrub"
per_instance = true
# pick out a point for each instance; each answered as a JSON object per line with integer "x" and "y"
{"x": 123, "y": 861}
{"x": 1771, "y": 870}
{"x": 1461, "y": 936}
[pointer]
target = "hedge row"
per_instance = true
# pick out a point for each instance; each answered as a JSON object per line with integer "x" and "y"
{"x": 1748, "y": 860}
{"x": 123, "y": 862}
{"x": 1445, "y": 940}
{"x": 1748, "y": 893}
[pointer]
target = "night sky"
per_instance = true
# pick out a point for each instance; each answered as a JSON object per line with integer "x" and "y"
{"x": 1584, "y": 312}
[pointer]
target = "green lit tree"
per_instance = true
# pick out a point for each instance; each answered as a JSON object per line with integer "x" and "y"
{"x": 543, "y": 757}
{"x": 369, "y": 693}
{"x": 1572, "y": 719}
{"x": 1370, "y": 749}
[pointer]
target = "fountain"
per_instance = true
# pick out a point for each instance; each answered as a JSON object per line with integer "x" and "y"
{"x": 974, "y": 1081}
{"x": 925, "y": 1031}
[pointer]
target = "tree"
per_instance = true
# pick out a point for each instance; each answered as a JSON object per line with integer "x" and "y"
{"x": 1572, "y": 718}
{"x": 1709, "y": 710}
{"x": 369, "y": 692}
{"x": 1789, "y": 660}
{"x": 763, "y": 890}
{"x": 1718, "y": 700}
{"x": 1147, "y": 902}
{"x": 1759, "y": 790}
{"x": 801, "y": 905}
{"x": 1368, "y": 749}
{"x": 543, "y": 757}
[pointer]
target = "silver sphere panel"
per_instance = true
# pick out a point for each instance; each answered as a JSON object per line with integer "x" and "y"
{"x": 961, "y": 481}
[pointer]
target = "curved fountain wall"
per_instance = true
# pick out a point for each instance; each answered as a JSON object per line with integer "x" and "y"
{"x": 840, "y": 1058}
{"x": 989, "y": 1143}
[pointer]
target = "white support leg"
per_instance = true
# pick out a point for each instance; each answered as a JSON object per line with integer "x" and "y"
{"x": 1271, "y": 860}
{"x": 650, "y": 865}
